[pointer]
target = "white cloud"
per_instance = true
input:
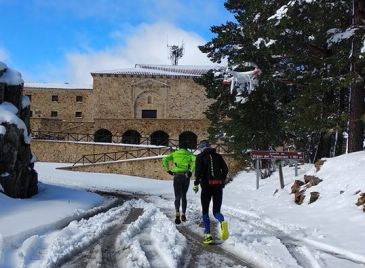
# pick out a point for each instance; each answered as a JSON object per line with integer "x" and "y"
{"x": 147, "y": 44}
{"x": 4, "y": 56}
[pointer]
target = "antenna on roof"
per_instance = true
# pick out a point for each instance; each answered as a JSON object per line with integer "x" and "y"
{"x": 175, "y": 53}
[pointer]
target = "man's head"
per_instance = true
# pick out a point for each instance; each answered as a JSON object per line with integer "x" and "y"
{"x": 203, "y": 144}
{"x": 183, "y": 145}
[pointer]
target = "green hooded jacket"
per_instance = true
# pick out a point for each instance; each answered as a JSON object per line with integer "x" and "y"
{"x": 183, "y": 161}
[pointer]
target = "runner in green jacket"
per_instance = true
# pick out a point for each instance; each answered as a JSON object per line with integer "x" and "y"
{"x": 183, "y": 162}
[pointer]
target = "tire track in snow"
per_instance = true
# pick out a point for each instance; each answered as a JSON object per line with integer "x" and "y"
{"x": 151, "y": 241}
{"x": 209, "y": 255}
{"x": 52, "y": 249}
{"x": 200, "y": 255}
{"x": 102, "y": 252}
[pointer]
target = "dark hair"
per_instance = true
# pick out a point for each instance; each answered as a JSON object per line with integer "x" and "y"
{"x": 183, "y": 145}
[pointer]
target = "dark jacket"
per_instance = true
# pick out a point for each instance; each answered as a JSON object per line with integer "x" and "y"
{"x": 210, "y": 165}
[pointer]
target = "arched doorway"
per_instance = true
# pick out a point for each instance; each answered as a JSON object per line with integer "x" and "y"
{"x": 159, "y": 138}
{"x": 131, "y": 137}
{"x": 189, "y": 139}
{"x": 103, "y": 135}
{"x": 149, "y": 104}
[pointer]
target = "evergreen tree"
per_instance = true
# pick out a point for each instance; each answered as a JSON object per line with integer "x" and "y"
{"x": 302, "y": 95}
{"x": 254, "y": 123}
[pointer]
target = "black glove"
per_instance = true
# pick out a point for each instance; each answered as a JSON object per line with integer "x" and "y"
{"x": 170, "y": 172}
{"x": 189, "y": 174}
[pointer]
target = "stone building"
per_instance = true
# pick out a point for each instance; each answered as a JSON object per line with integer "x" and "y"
{"x": 153, "y": 104}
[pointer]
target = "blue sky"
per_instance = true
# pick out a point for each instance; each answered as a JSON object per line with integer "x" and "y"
{"x": 64, "y": 40}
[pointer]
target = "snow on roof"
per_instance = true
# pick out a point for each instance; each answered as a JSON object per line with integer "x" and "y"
{"x": 9, "y": 76}
{"x": 58, "y": 86}
{"x": 163, "y": 70}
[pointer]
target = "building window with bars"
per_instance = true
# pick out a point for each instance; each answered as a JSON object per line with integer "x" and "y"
{"x": 55, "y": 98}
{"x": 54, "y": 113}
{"x": 78, "y": 114}
{"x": 78, "y": 98}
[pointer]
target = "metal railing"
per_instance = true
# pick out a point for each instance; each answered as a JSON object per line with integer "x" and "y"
{"x": 122, "y": 155}
{"x": 134, "y": 154}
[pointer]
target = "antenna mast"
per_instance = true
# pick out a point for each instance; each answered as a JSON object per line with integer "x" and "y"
{"x": 176, "y": 52}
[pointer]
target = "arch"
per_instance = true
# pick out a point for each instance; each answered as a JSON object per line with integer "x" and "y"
{"x": 149, "y": 100}
{"x": 103, "y": 135}
{"x": 189, "y": 139}
{"x": 131, "y": 137}
{"x": 160, "y": 138}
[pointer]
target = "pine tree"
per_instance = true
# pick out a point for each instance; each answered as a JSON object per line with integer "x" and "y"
{"x": 301, "y": 96}
{"x": 333, "y": 35}
{"x": 256, "y": 122}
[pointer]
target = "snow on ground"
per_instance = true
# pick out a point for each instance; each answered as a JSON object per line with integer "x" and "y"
{"x": 267, "y": 228}
{"x": 171, "y": 244}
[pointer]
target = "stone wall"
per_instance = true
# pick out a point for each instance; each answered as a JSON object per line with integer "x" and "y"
{"x": 148, "y": 168}
{"x": 58, "y": 125}
{"x": 123, "y": 97}
{"x": 55, "y": 151}
{"x": 173, "y": 127}
{"x": 66, "y": 106}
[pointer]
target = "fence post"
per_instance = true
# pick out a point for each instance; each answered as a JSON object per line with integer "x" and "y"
{"x": 296, "y": 168}
{"x": 281, "y": 177}
{"x": 257, "y": 173}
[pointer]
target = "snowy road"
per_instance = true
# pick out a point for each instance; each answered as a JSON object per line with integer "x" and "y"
{"x": 106, "y": 251}
{"x": 138, "y": 231}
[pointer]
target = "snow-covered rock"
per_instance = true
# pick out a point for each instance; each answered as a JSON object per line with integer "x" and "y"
{"x": 18, "y": 177}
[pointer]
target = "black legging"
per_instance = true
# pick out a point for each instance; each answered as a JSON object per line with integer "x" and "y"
{"x": 207, "y": 194}
{"x": 181, "y": 186}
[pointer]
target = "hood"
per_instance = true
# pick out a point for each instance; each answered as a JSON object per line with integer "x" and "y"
{"x": 208, "y": 150}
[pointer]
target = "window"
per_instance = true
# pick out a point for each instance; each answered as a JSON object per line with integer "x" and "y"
{"x": 78, "y": 114}
{"x": 149, "y": 99}
{"x": 30, "y": 113}
{"x": 78, "y": 98}
{"x": 30, "y": 97}
{"x": 54, "y": 114}
{"x": 54, "y": 98}
{"x": 149, "y": 113}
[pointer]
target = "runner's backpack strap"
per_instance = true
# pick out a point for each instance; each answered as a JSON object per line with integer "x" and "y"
{"x": 215, "y": 174}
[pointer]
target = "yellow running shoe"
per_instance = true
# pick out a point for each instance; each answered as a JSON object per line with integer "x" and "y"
{"x": 224, "y": 230}
{"x": 208, "y": 239}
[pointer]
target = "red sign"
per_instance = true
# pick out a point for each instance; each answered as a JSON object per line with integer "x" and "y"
{"x": 276, "y": 155}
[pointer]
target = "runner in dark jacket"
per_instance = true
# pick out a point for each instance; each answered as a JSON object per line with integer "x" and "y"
{"x": 211, "y": 171}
